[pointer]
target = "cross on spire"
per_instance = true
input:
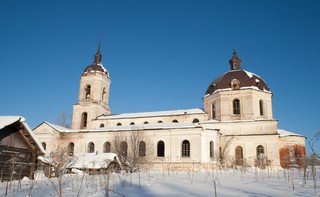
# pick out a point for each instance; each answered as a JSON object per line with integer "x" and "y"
{"x": 235, "y": 61}
{"x": 98, "y": 56}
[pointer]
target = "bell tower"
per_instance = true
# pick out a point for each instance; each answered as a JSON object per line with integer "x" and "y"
{"x": 93, "y": 99}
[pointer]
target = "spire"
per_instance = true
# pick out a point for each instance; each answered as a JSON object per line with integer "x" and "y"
{"x": 234, "y": 61}
{"x": 98, "y": 56}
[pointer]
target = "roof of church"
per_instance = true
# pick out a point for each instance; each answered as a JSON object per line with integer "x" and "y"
{"x": 152, "y": 114}
{"x": 96, "y": 65}
{"x": 238, "y": 77}
{"x": 284, "y": 133}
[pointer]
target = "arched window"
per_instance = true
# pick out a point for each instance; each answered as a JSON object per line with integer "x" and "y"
{"x": 261, "y": 107}
{"x": 160, "y": 121}
{"x": 132, "y": 123}
{"x": 260, "y": 152}
{"x": 44, "y": 145}
{"x": 142, "y": 149}
{"x": 213, "y": 111}
{"x": 175, "y": 121}
{"x": 71, "y": 149}
{"x": 160, "y": 149}
{"x": 185, "y": 149}
{"x": 124, "y": 149}
{"x": 84, "y": 120}
{"x": 107, "y": 147}
{"x": 239, "y": 156}
{"x": 236, "y": 106}
{"x": 87, "y": 92}
{"x": 119, "y": 124}
{"x": 103, "y": 96}
{"x": 101, "y": 125}
{"x": 211, "y": 149}
{"x": 196, "y": 120}
{"x": 90, "y": 147}
{"x": 146, "y": 122}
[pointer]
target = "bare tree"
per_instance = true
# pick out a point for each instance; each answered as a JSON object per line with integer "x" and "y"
{"x": 312, "y": 144}
{"x": 59, "y": 161}
{"x": 224, "y": 148}
{"x": 134, "y": 150}
{"x": 63, "y": 120}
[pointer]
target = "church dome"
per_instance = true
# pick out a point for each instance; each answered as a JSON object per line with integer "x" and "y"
{"x": 96, "y": 65}
{"x": 236, "y": 79}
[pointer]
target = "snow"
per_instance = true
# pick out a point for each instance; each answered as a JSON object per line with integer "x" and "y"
{"x": 8, "y": 120}
{"x": 152, "y": 114}
{"x": 283, "y": 132}
{"x": 254, "y": 182}
{"x": 93, "y": 161}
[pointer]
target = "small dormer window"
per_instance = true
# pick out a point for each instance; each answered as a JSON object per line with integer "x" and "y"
{"x": 87, "y": 92}
{"x": 235, "y": 84}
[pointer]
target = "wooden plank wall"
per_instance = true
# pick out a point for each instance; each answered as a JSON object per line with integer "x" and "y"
{"x": 15, "y": 163}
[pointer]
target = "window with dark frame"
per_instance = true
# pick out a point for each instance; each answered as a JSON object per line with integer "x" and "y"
{"x": 107, "y": 147}
{"x": 236, "y": 106}
{"x": 91, "y": 147}
{"x": 261, "y": 107}
{"x": 185, "y": 149}
{"x": 71, "y": 149}
{"x": 239, "y": 156}
{"x": 213, "y": 110}
{"x": 142, "y": 149}
{"x": 260, "y": 150}
{"x": 211, "y": 149}
{"x": 160, "y": 149}
{"x": 124, "y": 149}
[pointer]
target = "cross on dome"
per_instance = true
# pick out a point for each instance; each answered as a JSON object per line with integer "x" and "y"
{"x": 235, "y": 61}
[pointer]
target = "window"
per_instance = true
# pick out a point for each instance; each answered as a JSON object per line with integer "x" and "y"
{"x": 87, "y": 92}
{"x": 239, "y": 156}
{"x": 236, "y": 106}
{"x": 261, "y": 107}
{"x": 71, "y": 149}
{"x": 44, "y": 145}
{"x": 211, "y": 149}
{"x": 196, "y": 120}
{"x": 142, "y": 149}
{"x": 145, "y": 122}
{"x": 260, "y": 152}
{"x": 185, "y": 149}
{"x": 107, "y": 147}
{"x": 124, "y": 149}
{"x": 132, "y": 123}
{"x": 213, "y": 111}
{"x": 103, "y": 96}
{"x": 101, "y": 125}
{"x": 84, "y": 118}
{"x": 235, "y": 84}
{"x": 175, "y": 121}
{"x": 119, "y": 124}
{"x": 160, "y": 149}
{"x": 160, "y": 121}
{"x": 91, "y": 147}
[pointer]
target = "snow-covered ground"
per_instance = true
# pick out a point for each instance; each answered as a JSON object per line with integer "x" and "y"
{"x": 171, "y": 183}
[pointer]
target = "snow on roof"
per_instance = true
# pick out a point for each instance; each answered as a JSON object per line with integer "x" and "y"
{"x": 284, "y": 133}
{"x": 138, "y": 127}
{"x": 93, "y": 161}
{"x": 8, "y": 120}
{"x": 152, "y": 114}
{"x": 59, "y": 128}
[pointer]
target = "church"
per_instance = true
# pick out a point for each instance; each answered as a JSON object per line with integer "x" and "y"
{"x": 234, "y": 128}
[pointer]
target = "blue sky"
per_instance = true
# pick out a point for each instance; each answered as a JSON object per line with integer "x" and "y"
{"x": 161, "y": 55}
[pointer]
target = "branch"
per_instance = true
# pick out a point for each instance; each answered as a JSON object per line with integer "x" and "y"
{"x": 313, "y": 151}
